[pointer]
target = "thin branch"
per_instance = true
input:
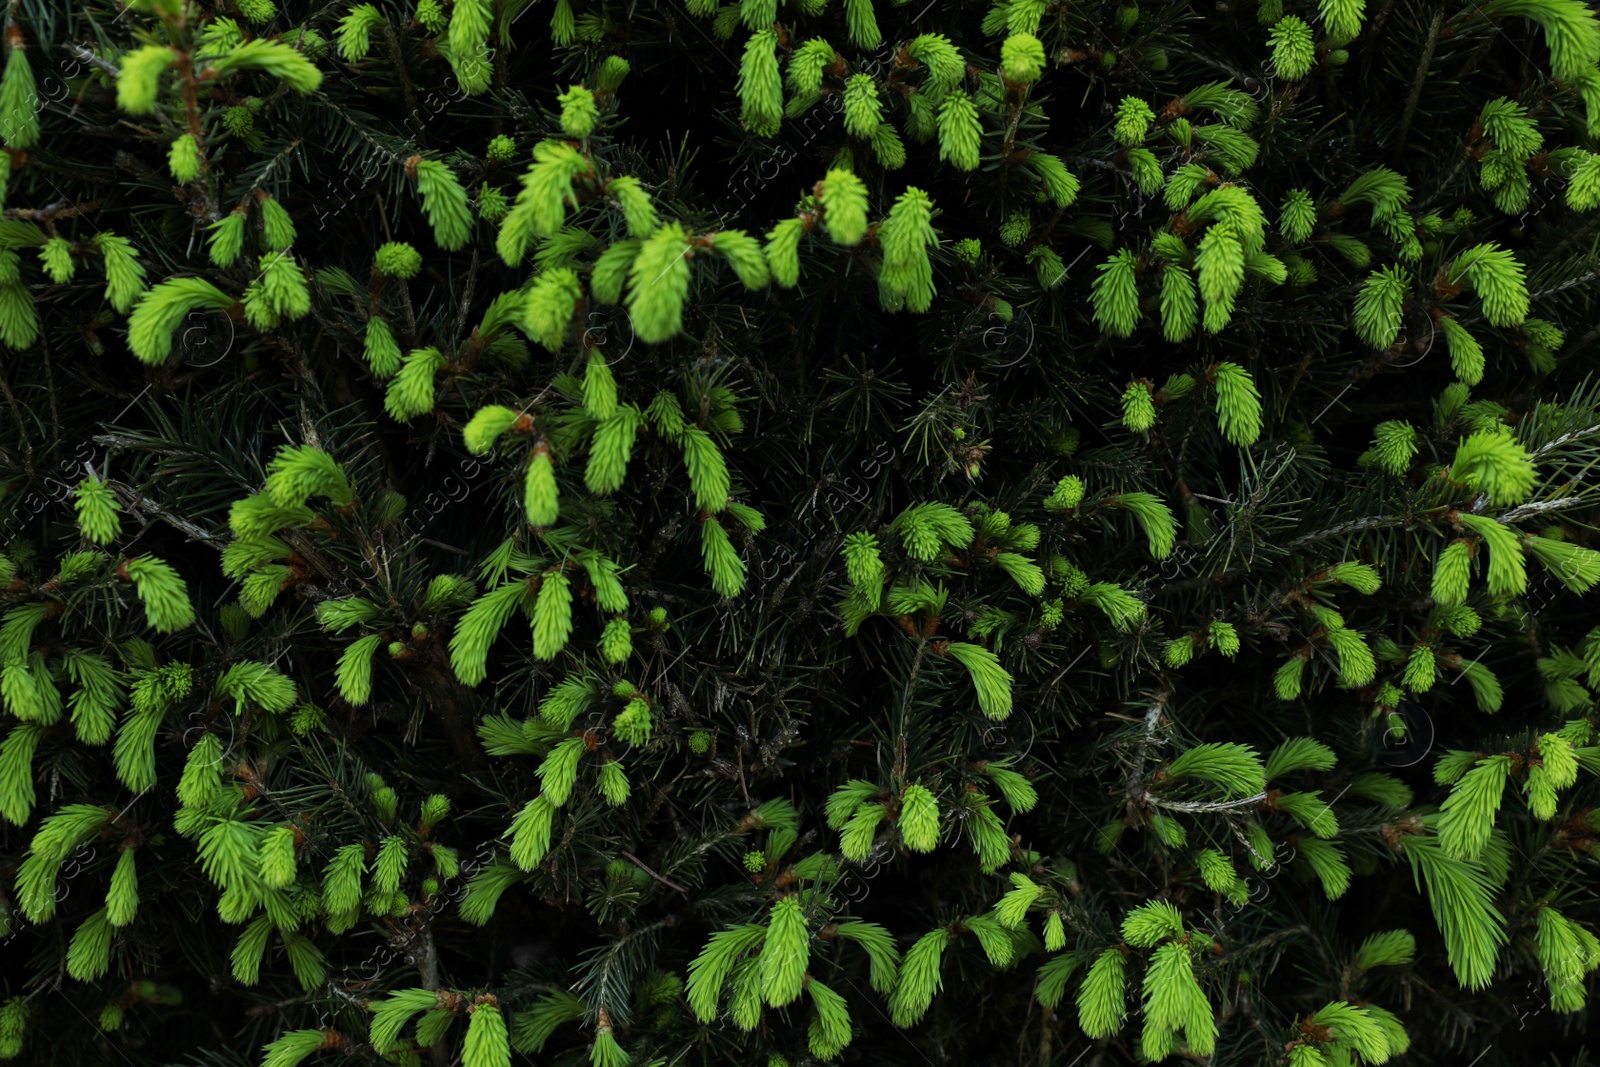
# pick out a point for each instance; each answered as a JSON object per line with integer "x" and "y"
{"x": 1379, "y": 522}
{"x": 1539, "y": 507}
{"x": 1564, "y": 438}
{"x": 413, "y": 112}
{"x": 140, "y": 503}
{"x": 466, "y": 303}
{"x": 637, "y": 862}
{"x": 59, "y": 209}
{"x": 77, "y": 51}
{"x": 1205, "y": 806}
{"x": 1416, "y": 85}
{"x": 905, "y": 711}
{"x": 1135, "y": 780}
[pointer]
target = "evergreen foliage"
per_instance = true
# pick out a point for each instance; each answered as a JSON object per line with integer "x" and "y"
{"x": 798, "y": 532}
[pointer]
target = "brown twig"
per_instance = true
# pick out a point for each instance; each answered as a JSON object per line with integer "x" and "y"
{"x": 50, "y": 212}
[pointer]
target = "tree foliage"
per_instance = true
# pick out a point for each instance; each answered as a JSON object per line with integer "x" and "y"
{"x": 823, "y": 531}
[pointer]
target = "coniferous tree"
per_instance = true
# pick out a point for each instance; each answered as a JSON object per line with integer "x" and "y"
{"x": 824, "y": 531}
